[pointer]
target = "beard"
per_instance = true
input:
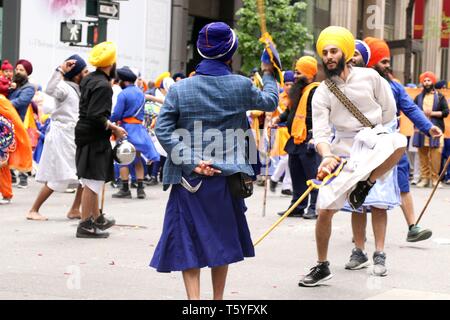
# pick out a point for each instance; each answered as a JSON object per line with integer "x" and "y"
{"x": 384, "y": 73}
{"x": 296, "y": 91}
{"x": 113, "y": 72}
{"x": 336, "y": 71}
{"x": 359, "y": 64}
{"x": 20, "y": 79}
{"x": 429, "y": 88}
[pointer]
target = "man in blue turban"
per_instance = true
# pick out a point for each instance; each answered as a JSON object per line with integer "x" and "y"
{"x": 362, "y": 54}
{"x": 205, "y": 210}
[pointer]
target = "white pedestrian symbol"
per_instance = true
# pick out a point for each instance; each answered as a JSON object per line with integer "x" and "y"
{"x": 74, "y": 31}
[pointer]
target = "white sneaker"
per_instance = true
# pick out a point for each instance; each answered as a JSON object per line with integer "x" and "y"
{"x": 5, "y": 201}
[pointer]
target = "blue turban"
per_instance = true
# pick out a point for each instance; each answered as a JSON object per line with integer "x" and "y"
{"x": 217, "y": 41}
{"x": 364, "y": 50}
{"x": 440, "y": 84}
{"x": 78, "y": 68}
{"x": 289, "y": 76}
{"x": 126, "y": 74}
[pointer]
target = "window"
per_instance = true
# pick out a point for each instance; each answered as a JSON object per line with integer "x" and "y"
{"x": 445, "y": 64}
{"x": 389, "y": 20}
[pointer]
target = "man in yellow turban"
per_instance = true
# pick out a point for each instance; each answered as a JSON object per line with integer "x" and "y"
{"x": 373, "y": 97}
{"x": 94, "y": 155}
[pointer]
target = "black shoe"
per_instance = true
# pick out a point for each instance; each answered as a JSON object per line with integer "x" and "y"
{"x": 295, "y": 214}
{"x": 134, "y": 185}
{"x": 310, "y": 215}
{"x": 317, "y": 275}
{"x": 141, "y": 193}
{"x": 103, "y": 223}
{"x": 122, "y": 194}
{"x": 359, "y": 195}
{"x": 153, "y": 181}
{"x": 115, "y": 184}
{"x": 23, "y": 183}
{"x": 87, "y": 229}
{"x": 286, "y": 192}
{"x": 273, "y": 186}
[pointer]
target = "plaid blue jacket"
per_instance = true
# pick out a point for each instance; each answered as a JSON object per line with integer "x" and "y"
{"x": 204, "y": 118}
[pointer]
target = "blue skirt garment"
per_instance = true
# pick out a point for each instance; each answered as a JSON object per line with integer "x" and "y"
{"x": 205, "y": 229}
{"x": 384, "y": 195}
{"x": 139, "y": 137}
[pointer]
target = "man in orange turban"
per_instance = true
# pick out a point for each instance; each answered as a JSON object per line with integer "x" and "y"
{"x": 303, "y": 159}
{"x": 381, "y": 62}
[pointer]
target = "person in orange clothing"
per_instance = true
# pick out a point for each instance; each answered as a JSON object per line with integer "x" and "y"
{"x": 15, "y": 153}
{"x": 281, "y": 137}
{"x": 435, "y": 107}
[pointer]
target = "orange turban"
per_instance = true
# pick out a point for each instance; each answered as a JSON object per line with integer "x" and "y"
{"x": 430, "y": 75}
{"x": 307, "y": 66}
{"x": 379, "y": 50}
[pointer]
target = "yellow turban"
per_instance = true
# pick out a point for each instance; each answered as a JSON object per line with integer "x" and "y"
{"x": 307, "y": 66}
{"x": 339, "y": 37}
{"x": 103, "y": 55}
{"x": 160, "y": 79}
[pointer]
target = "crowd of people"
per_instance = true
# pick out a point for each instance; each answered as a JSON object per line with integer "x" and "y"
{"x": 311, "y": 122}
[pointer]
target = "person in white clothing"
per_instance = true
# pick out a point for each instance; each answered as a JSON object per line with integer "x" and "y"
{"x": 371, "y": 153}
{"x": 57, "y": 168}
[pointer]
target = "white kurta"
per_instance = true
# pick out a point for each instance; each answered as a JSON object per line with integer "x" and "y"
{"x": 364, "y": 149}
{"x": 57, "y": 165}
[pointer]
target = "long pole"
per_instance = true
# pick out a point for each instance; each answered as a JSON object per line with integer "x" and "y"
{"x": 287, "y": 213}
{"x": 434, "y": 189}
{"x": 267, "y": 172}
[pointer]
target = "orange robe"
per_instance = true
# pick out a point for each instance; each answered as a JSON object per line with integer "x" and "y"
{"x": 21, "y": 158}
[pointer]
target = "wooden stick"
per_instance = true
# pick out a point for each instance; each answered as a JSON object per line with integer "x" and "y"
{"x": 267, "y": 172}
{"x": 103, "y": 200}
{"x": 434, "y": 190}
{"x": 287, "y": 213}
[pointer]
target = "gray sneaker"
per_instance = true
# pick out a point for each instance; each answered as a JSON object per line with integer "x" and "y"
{"x": 417, "y": 234}
{"x": 379, "y": 264}
{"x": 358, "y": 260}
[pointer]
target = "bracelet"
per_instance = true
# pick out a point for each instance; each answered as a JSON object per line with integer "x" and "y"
{"x": 60, "y": 71}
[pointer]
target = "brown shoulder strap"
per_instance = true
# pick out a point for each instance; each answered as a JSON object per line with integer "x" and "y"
{"x": 348, "y": 104}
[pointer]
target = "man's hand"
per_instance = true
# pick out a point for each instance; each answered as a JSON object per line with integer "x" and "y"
{"x": 204, "y": 168}
{"x": 327, "y": 166}
{"x": 435, "y": 132}
{"x": 428, "y": 112}
{"x": 68, "y": 65}
{"x": 13, "y": 85}
{"x": 118, "y": 132}
{"x": 274, "y": 122}
{"x": 267, "y": 68}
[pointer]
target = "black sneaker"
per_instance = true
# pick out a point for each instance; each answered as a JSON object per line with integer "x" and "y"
{"x": 359, "y": 194}
{"x": 116, "y": 184}
{"x": 318, "y": 274}
{"x": 286, "y": 192}
{"x": 134, "y": 185}
{"x": 310, "y": 215}
{"x": 296, "y": 214}
{"x": 122, "y": 194}
{"x": 153, "y": 181}
{"x": 88, "y": 230}
{"x": 141, "y": 193}
{"x": 23, "y": 183}
{"x": 273, "y": 186}
{"x": 103, "y": 223}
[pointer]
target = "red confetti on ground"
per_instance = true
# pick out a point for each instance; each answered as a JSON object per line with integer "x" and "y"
{"x": 235, "y": 292}
{"x": 112, "y": 263}
{"x": 67, "y": 274}
{"x": 40, "y": 254}
{"x": 274, "y": 287}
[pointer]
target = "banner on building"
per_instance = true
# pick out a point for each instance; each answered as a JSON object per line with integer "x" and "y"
{"x": 445, "y": 24}
{"x": 419, "y": 13}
